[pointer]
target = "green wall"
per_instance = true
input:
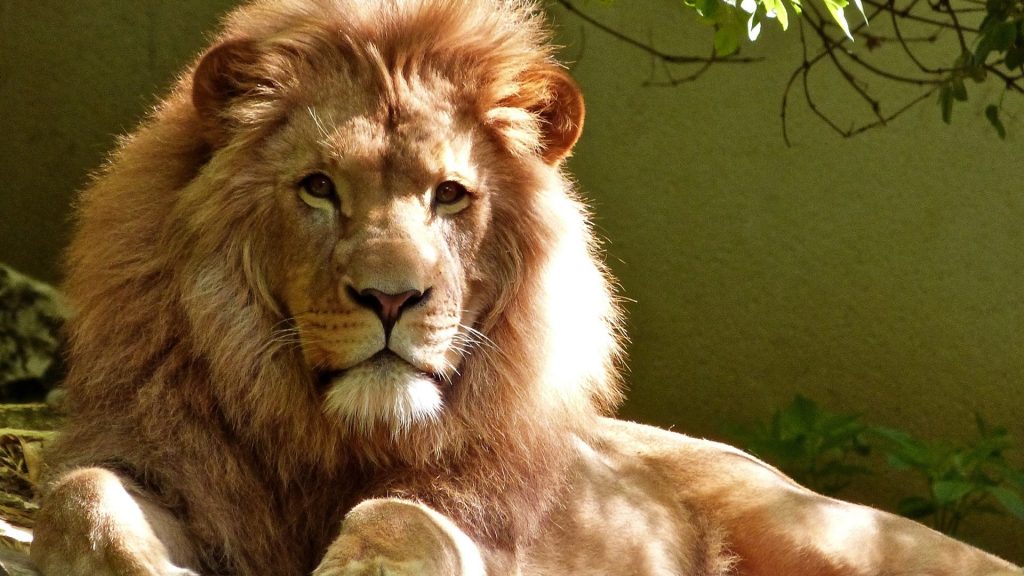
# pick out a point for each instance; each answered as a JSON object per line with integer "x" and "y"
{"x": 881, "y": 274}
{"x": 73, "y": 76}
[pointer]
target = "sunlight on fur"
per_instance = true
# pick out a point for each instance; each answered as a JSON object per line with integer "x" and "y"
{"x": 388, "y": 392}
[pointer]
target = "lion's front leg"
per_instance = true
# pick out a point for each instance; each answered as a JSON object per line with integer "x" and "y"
{"x": 400, "y": 538}
{"x": 90, "y": 524}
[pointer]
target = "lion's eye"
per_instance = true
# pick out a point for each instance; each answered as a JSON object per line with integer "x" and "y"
{"x": 318, "y": 191}
{"x": 318, "y": 185}
{"x": 449, "y": 192}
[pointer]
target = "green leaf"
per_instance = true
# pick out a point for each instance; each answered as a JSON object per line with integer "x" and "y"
{"x": 835, "y": 8}
{"x": 779, "y": 9}
{"x": 905, "y": 452}
{"x": 1009, "y": 499}
{"x": 797, "y": 7}
{"x": 946, "y": 102}
{"x": 959, "y": 90}
{"x": 707, "y": 8}
{"x": 1015, "y": 56}
{"x": 992, "y": 113}
{"x": 897, "y": 462}
{"x": 727, "y": 41}
{"x": 997, "y": 37}
{"x": 754, "y": 22}
{"x": 951, "y": 491}
{"x": 999, "y": 9}
{"x": 1003, "y": 35}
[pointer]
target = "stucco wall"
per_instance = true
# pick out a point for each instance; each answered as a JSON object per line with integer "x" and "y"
{"x": 879, "y": 275}
{"x": 73, "y": 76}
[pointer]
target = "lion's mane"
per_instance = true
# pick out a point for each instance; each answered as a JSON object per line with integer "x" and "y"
{"x": 180, "y": 379}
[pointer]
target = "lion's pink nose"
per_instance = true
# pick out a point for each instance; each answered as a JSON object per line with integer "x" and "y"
{"x": 388, "y": 307}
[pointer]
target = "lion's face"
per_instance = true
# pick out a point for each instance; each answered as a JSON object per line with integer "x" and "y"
{"x": 389, "y": 207}
{"x": 382, "y": 209}
{"x": 343, "y": 255}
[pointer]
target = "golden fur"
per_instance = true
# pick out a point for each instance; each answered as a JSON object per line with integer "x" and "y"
{"x": 235, "y": 388}
{"x": 185, "y": 374}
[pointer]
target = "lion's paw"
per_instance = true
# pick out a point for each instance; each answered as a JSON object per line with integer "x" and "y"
{"x": 90, "y": 524}
{"x": 392, "y": 537}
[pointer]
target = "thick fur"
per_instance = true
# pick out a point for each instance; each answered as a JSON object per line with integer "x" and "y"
{"x": 234, "y": 395}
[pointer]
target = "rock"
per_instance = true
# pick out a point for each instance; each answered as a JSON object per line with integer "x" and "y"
{"x": 31, "y": 314}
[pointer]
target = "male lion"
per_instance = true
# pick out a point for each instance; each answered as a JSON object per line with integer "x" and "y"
{"x": 339, "y": 311}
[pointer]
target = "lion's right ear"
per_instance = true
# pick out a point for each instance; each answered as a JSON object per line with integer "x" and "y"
{"x": 227, "y": 71}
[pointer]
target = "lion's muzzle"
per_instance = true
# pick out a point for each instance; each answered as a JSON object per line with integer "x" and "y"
{"x": 387, "y": 307}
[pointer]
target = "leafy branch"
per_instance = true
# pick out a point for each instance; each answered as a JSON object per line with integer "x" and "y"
{"x": 942, "y": 47}
{"x": 704, "y": 62}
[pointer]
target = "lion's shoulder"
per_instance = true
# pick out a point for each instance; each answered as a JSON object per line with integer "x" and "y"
{"x": 644, "y": 499}
{"x": 628, "y": 508}
{"x": 693, "y": 471}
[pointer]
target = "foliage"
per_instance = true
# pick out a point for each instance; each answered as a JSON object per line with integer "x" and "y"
{"x": 821, "y": 450}
{"x": 734, "y": 21}
{"x": 962, "y": 480}
{"x": 825, "y": 451}
{"x": 978, "y": 41}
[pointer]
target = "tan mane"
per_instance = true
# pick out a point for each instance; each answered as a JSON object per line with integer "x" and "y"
{"x": 177, "y": 328}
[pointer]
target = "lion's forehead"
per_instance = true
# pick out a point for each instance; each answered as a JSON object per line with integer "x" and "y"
{"x": 416, "y": 144}
{"x": 358, "y": 119}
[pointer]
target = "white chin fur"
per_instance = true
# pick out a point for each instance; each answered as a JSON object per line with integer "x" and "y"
{"x": 392, "y": 394}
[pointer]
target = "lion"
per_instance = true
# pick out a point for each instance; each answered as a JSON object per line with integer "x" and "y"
{"x": 340, "y": 311}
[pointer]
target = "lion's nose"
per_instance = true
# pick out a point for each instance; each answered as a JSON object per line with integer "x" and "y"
{"x": 388, "y": 307}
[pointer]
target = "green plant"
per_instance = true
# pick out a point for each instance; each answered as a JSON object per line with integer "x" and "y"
{"x": 822, "y": 450}
{"x": 825, "y": 452}
{"x": 962, "y": 479}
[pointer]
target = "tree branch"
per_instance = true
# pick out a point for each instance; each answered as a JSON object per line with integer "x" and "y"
{"x": 854, "y": 68}
{"x": 649, "y": 48}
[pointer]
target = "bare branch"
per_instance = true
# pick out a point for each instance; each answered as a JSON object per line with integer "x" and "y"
{"x": 650, "y": 49}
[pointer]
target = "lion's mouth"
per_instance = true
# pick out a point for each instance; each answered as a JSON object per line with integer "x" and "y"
{"x": 383, "y": 360}
{"x": 325, "y": 379}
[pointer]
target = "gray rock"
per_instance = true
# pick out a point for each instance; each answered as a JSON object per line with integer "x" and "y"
{"x": 31, "y": 315}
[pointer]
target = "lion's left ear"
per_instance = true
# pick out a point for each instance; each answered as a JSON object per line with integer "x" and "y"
{"x": 554, "y": 105}
{"x": 561, "y": 115}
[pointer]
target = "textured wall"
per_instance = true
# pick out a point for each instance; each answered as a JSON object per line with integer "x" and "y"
{"x": 74, "y": 75}
{"x": 879, "y": 275}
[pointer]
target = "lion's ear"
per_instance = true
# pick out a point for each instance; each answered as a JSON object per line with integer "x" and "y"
{"x": 545, "y": 111}
{"x": 561, "y": 114}
{"x": 227, "y": 71}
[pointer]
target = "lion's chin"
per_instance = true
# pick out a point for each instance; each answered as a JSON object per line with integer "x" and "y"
{"x": 382, "y": 391}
